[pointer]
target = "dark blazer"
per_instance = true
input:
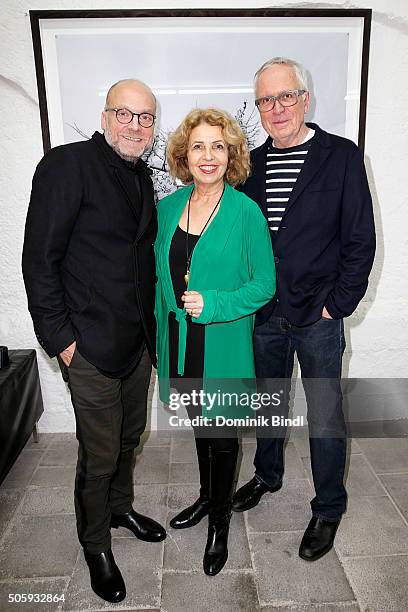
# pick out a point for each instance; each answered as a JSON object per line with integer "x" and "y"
{"x": 88, "y": 259}
{"x": 325, "y": 245}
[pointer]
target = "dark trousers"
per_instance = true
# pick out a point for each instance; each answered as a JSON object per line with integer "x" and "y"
{"x": 192, "y": 380}
{"x": 319, "y": 348}
{"x": 217, "y": 461}
{"x": 207, "y": 446}
{"x": 110, "y": 417}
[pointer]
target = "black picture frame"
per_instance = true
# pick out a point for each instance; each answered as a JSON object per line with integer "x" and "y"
{"x": 37, "y": 17}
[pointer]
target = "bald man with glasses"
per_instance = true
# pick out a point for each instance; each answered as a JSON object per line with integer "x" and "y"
{"x": 89, "y": 271}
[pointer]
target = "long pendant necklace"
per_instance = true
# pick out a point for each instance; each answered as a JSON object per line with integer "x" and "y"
{"x": 188, "y": 254}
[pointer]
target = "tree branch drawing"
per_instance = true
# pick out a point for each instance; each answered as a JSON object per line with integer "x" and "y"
{"x": 155, "y": 157}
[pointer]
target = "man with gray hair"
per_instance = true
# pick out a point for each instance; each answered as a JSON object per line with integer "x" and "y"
{"x": 89, "y": 272}
{"x": 313, "y": 190}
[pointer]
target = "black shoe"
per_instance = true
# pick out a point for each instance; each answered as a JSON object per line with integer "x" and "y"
{"x": 143, "y": 527}
{"x": 106, "y": 579}
{"x": 216, "y": 550}
{"x": 192, "y": 515}
{"x": 318, "y": 539}
{"x": 249, "y": 495}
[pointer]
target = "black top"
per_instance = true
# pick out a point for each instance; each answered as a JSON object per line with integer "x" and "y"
{"x": 194, "y": 361}
{"x": 129, "y": 176}
{"x": 88, "y": 265}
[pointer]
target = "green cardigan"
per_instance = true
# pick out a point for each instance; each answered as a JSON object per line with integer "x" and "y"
{"x": 233, "y": 268}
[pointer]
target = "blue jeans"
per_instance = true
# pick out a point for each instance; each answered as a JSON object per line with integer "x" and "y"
{"x": 319, "y": 348}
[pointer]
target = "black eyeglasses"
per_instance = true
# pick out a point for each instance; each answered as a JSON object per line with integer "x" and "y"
{"x": 124, "y": 115}
{"x": 286, "y": 98}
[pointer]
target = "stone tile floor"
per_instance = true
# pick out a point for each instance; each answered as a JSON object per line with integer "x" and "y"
{"x": 367, "y": 570}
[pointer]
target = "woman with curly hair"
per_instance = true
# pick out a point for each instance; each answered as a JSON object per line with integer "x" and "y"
{"x": 215, "y": 269}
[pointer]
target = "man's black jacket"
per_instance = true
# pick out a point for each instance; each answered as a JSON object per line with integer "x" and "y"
{"x": 325, "y": 245}
{"x": 88, "y": 259}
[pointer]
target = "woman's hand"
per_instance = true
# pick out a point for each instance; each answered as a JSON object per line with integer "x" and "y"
{"x": 193, "y": 303}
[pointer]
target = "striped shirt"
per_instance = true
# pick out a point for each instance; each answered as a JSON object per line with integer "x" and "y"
{"x": 283, "y": 167}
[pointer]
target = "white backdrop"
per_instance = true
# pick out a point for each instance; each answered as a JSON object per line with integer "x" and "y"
{"x": 377, "y": 333}
{"x": 193, "y": 62}
{"x": 196, "y": 63}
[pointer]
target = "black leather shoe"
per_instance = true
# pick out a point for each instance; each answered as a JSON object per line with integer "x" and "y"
{"x": 106, "y": 579}
{"x": 318, "y": 539}
{"x": 249, "y": 495}
{"x": 216, "y": 550}
{"x": 192, "y": 515}
{"x": 143, "y": 527}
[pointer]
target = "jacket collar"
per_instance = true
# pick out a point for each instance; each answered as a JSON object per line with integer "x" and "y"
{"x": 320, "y": 136}
{"x": 113, "y": 158}
{"x": 146, "y": 186}
{"x": 318, "y": 153}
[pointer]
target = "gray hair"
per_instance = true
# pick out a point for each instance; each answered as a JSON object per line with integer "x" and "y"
{"x": 298, "y": 69}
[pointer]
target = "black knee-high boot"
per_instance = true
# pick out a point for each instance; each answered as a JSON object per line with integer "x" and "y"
{"x": 193, "y": 514}
{"x": 222, "y": 471}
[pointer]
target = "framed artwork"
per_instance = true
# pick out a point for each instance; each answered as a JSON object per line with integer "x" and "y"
{"x": 196, "y": 58}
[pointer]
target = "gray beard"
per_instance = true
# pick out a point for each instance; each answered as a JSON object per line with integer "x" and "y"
{"x": 128, "y": 158}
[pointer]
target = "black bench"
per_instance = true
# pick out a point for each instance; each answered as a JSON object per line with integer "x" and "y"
{"x": 21, "y": 405}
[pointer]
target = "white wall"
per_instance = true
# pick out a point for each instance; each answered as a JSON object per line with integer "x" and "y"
{"x": 377, "y": 333}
